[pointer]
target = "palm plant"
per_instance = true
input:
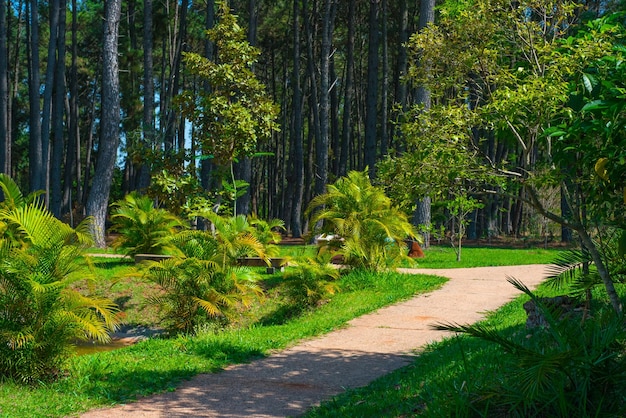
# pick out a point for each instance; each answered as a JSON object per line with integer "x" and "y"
{"x": 309, "y": 281}
{"x": 198, "y": 287}
{"x": 569, "y": 368}
{"x": 235, "y": 237}
{"x": 42, "y": 312}
{"x": 142, "y": 227}
{"x": 372, "y": 229}
{"x": 267, "y": 233}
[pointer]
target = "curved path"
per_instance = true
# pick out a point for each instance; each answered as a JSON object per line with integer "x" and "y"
{"x": 291, "y": 381}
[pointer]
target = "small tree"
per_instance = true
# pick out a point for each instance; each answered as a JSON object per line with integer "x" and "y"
{"x": 235, "y": 114}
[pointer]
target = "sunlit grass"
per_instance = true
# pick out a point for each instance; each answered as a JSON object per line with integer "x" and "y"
{"x": 158, "y": 365}
{"x": 445, "y": 375}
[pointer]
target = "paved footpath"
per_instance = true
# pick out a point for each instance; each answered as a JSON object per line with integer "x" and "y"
{"x": 291, "y": 381}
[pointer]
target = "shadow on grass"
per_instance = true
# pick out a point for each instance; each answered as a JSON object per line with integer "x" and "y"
{"x": 152, "y": 366}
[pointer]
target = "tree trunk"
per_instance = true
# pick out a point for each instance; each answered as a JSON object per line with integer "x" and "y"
{"x": 58, "y": 113}
{"x": 149, "y": 135}
{"x": 321, "y": 148}
{"x": 206, "y": 166}
{"x": 297, "y": 130}
{"x": 244, "y": 167}
{"x": 400, "y": 83}
{"x": 35, "y": 155}
{"x": 5, "y": 134}
{"x": 423, "y": 215}
{"x": 371, "y": 104}
{"x": 72, "y": 160}
{"x": 314, "y": 108}
{"x": 346, "y": 130}
{"x": 384, "y": 114}
{"x": 55, "y": 9}
{"x": 110, "y": 120}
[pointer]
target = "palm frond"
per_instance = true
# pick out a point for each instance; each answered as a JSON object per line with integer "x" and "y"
{"x": 13, "y": 197}
{"x": 566, "y": 267}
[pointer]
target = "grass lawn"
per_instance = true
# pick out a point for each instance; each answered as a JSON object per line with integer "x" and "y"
{"x": 158, "y": 365}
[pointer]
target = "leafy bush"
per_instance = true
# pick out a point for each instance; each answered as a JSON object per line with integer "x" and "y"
{"x": 267, "y": 233}
{"x": 309, "y": 281}
{"x": 141, "y": 226}
{"x": 569, "y": 368}
{"x": 201, "y": 283}
{"x": 372, "y": 230}
{"x": 42, "y": 312}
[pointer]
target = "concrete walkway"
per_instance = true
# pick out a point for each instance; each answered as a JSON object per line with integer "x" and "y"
{"x": 290, "y": 382}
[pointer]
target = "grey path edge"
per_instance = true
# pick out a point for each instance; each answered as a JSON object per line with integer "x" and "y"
{"x": 292, "y": 381}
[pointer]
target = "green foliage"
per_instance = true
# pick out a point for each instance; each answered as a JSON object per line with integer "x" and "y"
{"x": 310, "y": 281}
{"x": 201, "y": 283}
{"x": 42, "y": 308}
{"x": 267, "y": 232}
{"x": 235, "y": 113}
{"x": 196, "y": 287}
{"x": 372, "y": 229}
{"x": 569, "y": 368}
{"x": 176, "y": 193}
{"x": 142, "y": 227}
{"x": 235, "y": 237}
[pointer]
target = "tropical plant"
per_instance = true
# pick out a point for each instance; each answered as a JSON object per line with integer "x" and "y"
{"x": 44, "y": 307}
{"x": 234, "y": 236}
{"x": 309, "y": 281}
{"x": 141, "y": 226}
{"x": 372, "y": 230}
{"x": 567, "y": 368}
{"x": 267, "y": 233}
{"x": 198, "y": 286}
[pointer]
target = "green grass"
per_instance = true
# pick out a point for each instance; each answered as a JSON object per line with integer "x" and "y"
{"x": 446, "y": 376}
{"x": 158, "y": 365}
{"x": 445, "y": 257}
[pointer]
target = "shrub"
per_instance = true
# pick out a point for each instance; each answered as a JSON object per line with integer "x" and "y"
{"x": 309, "y": 281}
{"x": 41, "y": 311}
{"x": 199, "y": 283}
{"x": 372, "y": 230}
{"x": 142, "y": 227}
{"x": 569, "y": 368}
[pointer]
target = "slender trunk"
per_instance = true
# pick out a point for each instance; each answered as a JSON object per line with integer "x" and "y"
{"x": 149, "y": 134}
{"x": 58, "y": 113}
{"x": 423, "y": 215}
{"x": 206, "y": 167}
{"x": 371, "y": 104}
{"x": 110, "y": 120}
{"x": 36, "y": 167}
{"x": 297, "y": 130}
{"x": 401, "y": 69}
{"x": 174, "y": 84}
{"x": 244, "y": 167}
{"x": 346, "y": 132}
{"x": 72, "y": 162}
{"x": 314, "y": 108}
{"x": 5, "y": 134}
{"x": 321, "y": 148}
{"x": 384, "y": 134}
{"x": 55, "y": 8}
